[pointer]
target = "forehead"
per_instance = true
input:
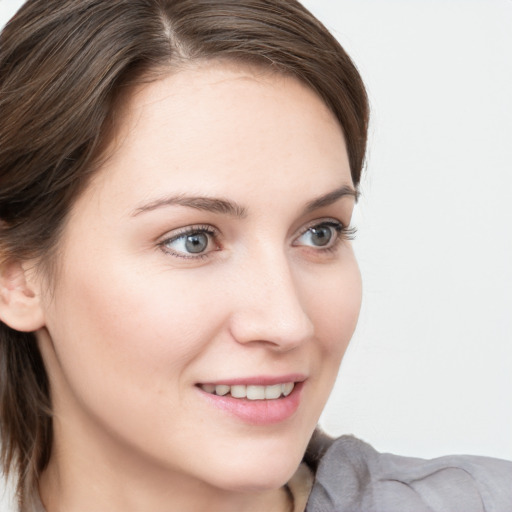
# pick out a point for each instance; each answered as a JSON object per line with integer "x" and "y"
{"x": 223, "y": 125}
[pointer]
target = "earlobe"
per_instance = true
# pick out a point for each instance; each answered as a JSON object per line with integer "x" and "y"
{"x": 20, "y": 306}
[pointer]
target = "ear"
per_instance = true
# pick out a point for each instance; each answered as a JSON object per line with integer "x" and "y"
{"x": 20, "y": 305}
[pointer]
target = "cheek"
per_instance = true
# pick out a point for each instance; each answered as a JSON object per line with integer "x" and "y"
{"x": 333, "y": 300}
{"x": 123, "y": 325}
{"x": 335, "y": 307}
{"x": 123, "y": 349}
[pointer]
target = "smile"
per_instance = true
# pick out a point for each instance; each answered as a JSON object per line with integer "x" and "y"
{"x": 250, "y": 392}
{"x": 256, "y": 400}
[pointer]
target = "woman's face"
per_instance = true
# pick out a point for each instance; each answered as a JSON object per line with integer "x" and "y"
{"x": 209, "y": 255}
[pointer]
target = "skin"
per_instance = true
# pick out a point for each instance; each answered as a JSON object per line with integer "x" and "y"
{"x": 132, "y": 326}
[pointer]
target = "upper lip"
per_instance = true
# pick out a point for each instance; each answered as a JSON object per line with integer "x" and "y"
{"x": 263, "y": 380}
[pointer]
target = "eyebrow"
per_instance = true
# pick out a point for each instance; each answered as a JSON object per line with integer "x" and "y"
{"x": 331, "y": 197}
{"x": 210, "y": 204}
{"x": 228, "y": 207}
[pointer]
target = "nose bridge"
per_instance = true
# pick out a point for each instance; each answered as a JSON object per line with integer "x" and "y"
{"x": 267, "y": 305}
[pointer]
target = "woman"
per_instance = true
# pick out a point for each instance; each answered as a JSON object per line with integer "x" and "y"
{"x": 178, "y": 286}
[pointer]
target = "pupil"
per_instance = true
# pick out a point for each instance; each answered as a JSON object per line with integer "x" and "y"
{"x": 321, "y": 236}
{"x": 196, "y": 243}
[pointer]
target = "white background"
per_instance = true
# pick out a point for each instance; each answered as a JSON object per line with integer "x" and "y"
{"x": 429, "y": 371}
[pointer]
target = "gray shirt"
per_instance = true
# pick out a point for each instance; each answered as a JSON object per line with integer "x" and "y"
{"x": 353, "y": 477}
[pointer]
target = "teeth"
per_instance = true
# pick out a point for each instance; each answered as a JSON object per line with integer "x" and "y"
{"x": 211, "y": 388}
{"x": 273, "y": 392}
{"x": 256, "y": 392}
{"x": 250, "y": 392}
{"x": 288, "y": 388}
{"x": 238, "y": 391}
{"x": 220, "y": 390}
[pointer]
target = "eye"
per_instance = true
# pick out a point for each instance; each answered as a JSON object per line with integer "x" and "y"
{"x": 318, "y": 236}
{"x": 324, "y": 235}
{"x": 191, "y": 243}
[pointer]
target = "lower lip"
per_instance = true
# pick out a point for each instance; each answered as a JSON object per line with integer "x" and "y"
{"x": 258, "y": 412}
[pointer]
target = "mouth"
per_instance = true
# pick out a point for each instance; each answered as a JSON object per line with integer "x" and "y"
{"x": 250, "y": 392}
{"x": 257, "y": 401}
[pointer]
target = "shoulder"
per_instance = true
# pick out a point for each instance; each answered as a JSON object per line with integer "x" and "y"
{"x": 351, "y": 476}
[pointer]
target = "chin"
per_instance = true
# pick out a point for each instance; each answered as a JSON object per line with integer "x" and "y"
{"x": 259, "y": 466}
{"x": 265, "y": 477}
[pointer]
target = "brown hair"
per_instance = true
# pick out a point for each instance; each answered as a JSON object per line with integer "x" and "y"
{"x": 64, "y": 64}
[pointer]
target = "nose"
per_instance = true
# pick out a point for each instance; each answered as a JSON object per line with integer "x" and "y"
{"x": 267, "y": 308}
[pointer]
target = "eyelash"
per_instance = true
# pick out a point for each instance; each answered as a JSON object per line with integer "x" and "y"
{"x": 190, "y": 230}
{"x": 343, "y": 233}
